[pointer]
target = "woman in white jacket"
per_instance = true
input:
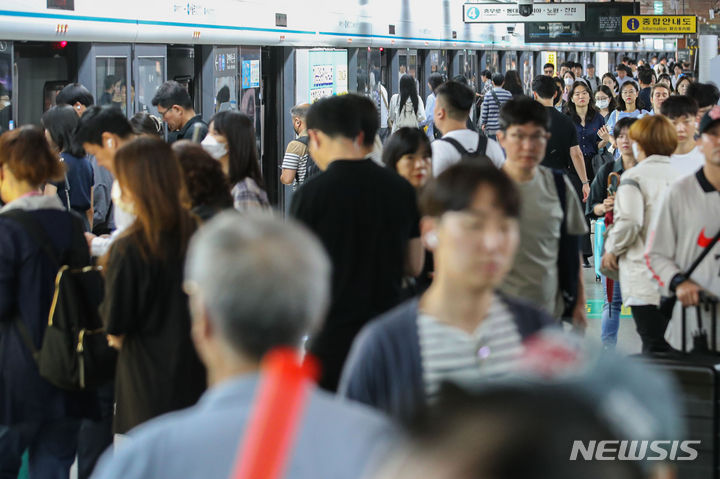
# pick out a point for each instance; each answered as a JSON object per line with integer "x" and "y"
{"x": 641, "y": 188}
{"x": 406, "y": 108}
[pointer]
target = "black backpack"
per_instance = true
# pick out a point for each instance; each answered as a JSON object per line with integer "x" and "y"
{"x": 311, "y": 168}
{"x": 568, "y": 253}
{"x": 479, "y": 152}
{"x": 74, "y": 354}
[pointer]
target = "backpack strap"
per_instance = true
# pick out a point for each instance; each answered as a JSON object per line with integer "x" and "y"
{"x": 559, "y": 178}
{"x": 482, "y": 144}
{"x": 457, "y": 145}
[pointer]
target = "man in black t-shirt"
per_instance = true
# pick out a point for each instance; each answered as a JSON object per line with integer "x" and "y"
{"x": 563, "y": 151}
{"x": 366, "y": 217}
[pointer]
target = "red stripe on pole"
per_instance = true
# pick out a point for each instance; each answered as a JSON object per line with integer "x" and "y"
{"x": 278, "y": 407}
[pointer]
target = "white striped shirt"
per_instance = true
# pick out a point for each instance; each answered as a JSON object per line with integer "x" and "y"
{"x": 451, "y": 354}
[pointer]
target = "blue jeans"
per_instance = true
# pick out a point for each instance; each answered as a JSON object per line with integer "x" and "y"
{"x": 51, "y": 445}
{"x": 611, "y": 314}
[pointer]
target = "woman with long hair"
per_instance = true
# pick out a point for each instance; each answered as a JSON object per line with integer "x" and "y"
{"x": 76, "y": 191}
{"x": 627, "y": 106}
{"x": 611, "y": 82}
{"x": 34, "y": 414}
{"x": 231, "y": 141}
{"x": 682, "y": 85}
{"x": 406, "y": 107}
{"x": 145, "y": 309}
{"x": 512, "y": 83}
{"x": 604, "y": 102}
{"x": 568, "y": 80}
{"x": 637, "y": 198}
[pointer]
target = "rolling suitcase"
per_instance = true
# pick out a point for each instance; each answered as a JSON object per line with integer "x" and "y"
{"x": 698, "y": 375}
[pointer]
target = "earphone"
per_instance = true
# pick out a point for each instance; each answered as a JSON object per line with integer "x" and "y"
{"x": 431, "y": 239}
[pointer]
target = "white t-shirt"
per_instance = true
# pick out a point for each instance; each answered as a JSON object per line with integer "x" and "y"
{"x": 445, "y": 155}
{"x": 688, "y": 163}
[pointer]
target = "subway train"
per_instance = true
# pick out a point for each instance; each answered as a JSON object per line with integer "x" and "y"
{"x": 258, "y": 57}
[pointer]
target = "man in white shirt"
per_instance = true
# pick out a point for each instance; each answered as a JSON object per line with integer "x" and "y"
{"x": 687, "y": 158}
{"x": 452, "y": 107}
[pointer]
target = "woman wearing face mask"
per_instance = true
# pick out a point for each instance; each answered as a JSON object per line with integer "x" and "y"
{"x": 568, "y": 80}
{"x": 231, "y": 141}
{"x": 654, "y": 140}
{"x": 598, "y": 204}
{"x": 408, "y": 153}
{"x": 627, "y": 106}
{"x": 611, "y": 82}
{"x": 604, "y": 102}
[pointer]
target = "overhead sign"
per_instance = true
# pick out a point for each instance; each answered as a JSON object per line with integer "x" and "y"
{"x": 603, "y": 24}
{"x": 509, "y": 13}
{"x": 659, "y": 24}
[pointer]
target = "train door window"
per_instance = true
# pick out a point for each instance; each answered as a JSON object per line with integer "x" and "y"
{"x": 148, "y": 75}
{"x": 527, "y": 71}
{"x": 250, "y": 98}
{"x": 225, "y": 88}
{"x": 111, "y": 84}
{"x": 492, "y": 61}
{"x": 6, "y": 85}
{"x": 469, "y": 68}
{"x": 50, "y": 92}
{"x": 510, "y": 61}
{"x": 362, "y": 71}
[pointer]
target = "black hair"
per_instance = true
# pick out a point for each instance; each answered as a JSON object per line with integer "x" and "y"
{"x": 645, "y": 76}
{"x": 457, "y": 99}
{"x": 621, "y": 106}
{"x": 74, "y": 93}
{"x": 172, "y": 93}
{"x": 223, "y": 95}
{"x": 455, "y": 188}
{"x": 665, "y": 76}
{"x": 435, "y": 80}
{"x": 61, "y": 122}
{"x": 404, "y": 141}
{"x": 632, "y": 61}
{"x": 683, "y": 78}
{"x": 590, "y": 65}
{"x": 487, "y": 74}
{"x": 408, "y": 89}
{"x": 706, "y": 94}
{"x": 570, "y": 105}
{"x": 610, "y": 75}
{"x": 544, "y": 86}
{"x": 100, "y": 119}
{"x": 679, "y": 105}
{"x": 346, "y": 116}
{"x": 143, "y": 122}
{"x": 611, "y": 95}
{"x": 243, "y": 160}
{"x": 548, "y": 65}
{"x": 110, "y": 81}
{"x": 622, "y": 123}
{"x": 521, "y": 111}
{"x": 565, "y": 64}
{"x": 559, "y": 89}
{"x": 571, "y": 73}
{"x": 512, "y": 82}
{"x": 498, "y": 79}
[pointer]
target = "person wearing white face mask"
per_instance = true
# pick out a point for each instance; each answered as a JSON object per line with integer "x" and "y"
{"x": 641, "y": 188}
{"x": 231, "y": 141}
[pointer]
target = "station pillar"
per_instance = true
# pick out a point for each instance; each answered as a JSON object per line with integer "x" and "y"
{"x": 707, "y": 50}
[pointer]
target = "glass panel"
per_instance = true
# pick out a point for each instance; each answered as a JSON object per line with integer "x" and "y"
{"x": 6, "y": 86}
{"x": 527, "y": 72}
{"x": 225, "y": 88}
{"x": 250, "y": 89}
{"x": 362, "y": 71}
{"x": 111, "y": 75}
{"x": 468, "y": 68}
{"x": 491, "y": 61}
{"x": 151, "y": 73}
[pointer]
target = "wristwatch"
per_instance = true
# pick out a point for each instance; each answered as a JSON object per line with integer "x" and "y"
{"x": 586, "y": 182}
{"x": 676, "y": 281}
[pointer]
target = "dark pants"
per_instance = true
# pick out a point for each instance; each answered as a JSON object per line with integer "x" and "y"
{"x": 96, "y": 436}
{"x": 51, "y": 446}
{"x": 586, "y": 243}
{"x": 651, "y": 325}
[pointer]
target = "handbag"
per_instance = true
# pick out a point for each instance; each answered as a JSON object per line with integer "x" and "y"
{"x": 667, "y": 303}
{"x": 74, "y": 354}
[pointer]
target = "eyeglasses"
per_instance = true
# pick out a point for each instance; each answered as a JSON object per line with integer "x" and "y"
{"x": 534, "y": 139}
{"x": 163, "y": 113}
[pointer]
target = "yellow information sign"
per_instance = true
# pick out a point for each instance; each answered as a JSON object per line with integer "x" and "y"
{"x": 659, "y": 24}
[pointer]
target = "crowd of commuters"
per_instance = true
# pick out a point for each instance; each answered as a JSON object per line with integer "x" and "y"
{"x": 443, "y": 253}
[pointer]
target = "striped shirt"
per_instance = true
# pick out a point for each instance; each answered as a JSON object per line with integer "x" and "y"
{"x": 451, "y": 354}
{"x": 296, "y": 156}
{"x": 490, "y": 111}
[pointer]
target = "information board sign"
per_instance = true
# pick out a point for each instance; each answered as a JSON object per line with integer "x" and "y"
{"x": 509, "y": 13}
{"x": 328, "y": 73}
{"x": 659, "y": 24}
{"x": 603, "y": 24}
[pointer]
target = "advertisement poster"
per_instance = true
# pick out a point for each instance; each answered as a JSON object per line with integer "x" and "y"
{"x": 250, "y": 74}
{"x": 328, "y": 73}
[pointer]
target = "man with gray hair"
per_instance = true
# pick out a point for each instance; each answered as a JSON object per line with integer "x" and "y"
{"x": 247, "y": 279}
{"x": 295, "y": 161}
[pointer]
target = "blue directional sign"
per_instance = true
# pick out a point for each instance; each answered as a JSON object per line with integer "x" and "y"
{"x": 473, "y": 13}
{"x": 633, "y": 24}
